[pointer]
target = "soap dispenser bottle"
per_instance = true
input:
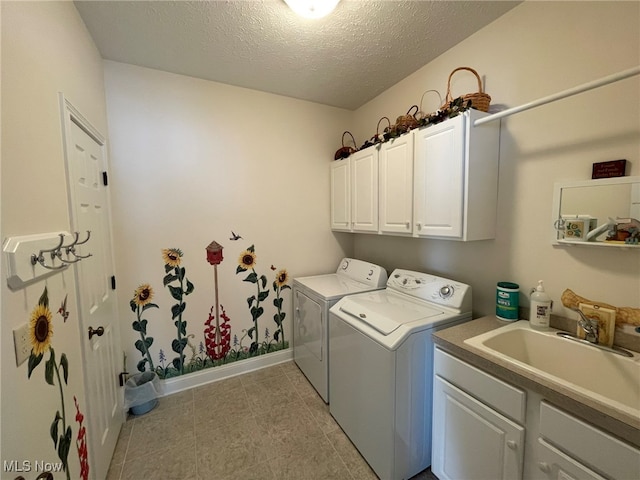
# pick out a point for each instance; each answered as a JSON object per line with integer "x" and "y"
{"x": 540, "y": 312}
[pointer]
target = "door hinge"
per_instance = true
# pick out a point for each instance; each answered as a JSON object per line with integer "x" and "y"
{"x": 113, "y": 282}
{"x": 105, "y": 179}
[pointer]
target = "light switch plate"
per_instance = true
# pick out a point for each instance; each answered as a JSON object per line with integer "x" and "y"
{"x": 22, "y": 343}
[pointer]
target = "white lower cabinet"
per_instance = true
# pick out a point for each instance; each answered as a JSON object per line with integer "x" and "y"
{"x": 486, "y": 429}
{"x": 471, "y": 439}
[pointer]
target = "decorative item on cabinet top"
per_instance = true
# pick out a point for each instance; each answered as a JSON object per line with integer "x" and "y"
{"x": 479, "y": 100}
{"x": 345, "y": 151}
{"x": 25, "y": 266}
{"x": 379, "y": 137}
{"x": 406, "y": 122}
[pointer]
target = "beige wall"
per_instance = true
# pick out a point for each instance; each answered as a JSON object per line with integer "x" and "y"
{"x": 536, "y": 49}
{"x": 194, "y": 160}
{"x": 45, "y": 50}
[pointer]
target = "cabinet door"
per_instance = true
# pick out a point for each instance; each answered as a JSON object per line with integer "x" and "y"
{"x": 364, "y": 190}
{"x": 472, "y": 441}
{"x": 439, "y": 179}
{"x": 396, "y": 185}
{"x": 340, "y": 195}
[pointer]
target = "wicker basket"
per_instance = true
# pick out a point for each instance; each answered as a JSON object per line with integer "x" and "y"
{"x": 420, "y": 115}
{"x": 404, "y": 123}
{"x": 345, "y": 151}
{"x": 479, "y": 100}
{"x": 384, "y": 136}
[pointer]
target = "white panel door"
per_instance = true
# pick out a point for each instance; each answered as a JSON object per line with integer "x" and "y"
{"x": 85, "y": 159}
{"x": 472, "y": 441}
{"x": 396, "y": 185}
{"x": 439, "y": 179}
{"x": 364, "y": 190}
{"x": 340, "y": 195}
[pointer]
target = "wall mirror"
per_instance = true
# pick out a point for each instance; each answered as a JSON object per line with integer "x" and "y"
{"x": 591, "y": 212}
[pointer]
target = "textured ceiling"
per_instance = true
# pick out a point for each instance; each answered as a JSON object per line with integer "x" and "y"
{"x": 343, "y": 60}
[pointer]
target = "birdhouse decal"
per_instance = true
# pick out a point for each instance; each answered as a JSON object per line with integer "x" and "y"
{"x": 214, "y": 253}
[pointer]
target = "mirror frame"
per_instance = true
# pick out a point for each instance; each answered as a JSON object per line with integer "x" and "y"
{"x": 557, "y": 197}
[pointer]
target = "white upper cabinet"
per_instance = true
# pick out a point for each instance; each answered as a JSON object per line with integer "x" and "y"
{"x": 354, "y": 192}
{"x": 439, "y": 181}
{"x": 364, "y": 190}
{"x": 456, "y": 179}
{"x": 340, "y": 195}
{"x": 396, "y": 185}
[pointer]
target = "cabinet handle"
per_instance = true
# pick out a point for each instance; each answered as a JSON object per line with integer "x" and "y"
{"x": 419, "y": 225}
{"x": 408, "y": 224}
{"x": 512, "y": 445}
{"x": 545, "y": 467}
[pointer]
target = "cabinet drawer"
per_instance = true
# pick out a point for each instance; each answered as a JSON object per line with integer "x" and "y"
{"x": 589, "y": 445}
{"x": 501, "y": 396}
{"x": 556, "y": 465}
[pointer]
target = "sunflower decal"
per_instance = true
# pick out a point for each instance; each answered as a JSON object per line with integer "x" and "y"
{"x": 280, "y": 284}
{"x": 40, "y": 332}
{"x": 141, "y": 302}
{"x": 172, "y": 256}
{"x": 282, "y": 278}
{"x": 247, "y": 260}
{"x": 143, "y": 295}
{"x": 40, "y": 329}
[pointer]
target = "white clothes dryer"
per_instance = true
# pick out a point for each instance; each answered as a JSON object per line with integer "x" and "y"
{"x": 312, "y": 298}
{"x": 382, "y": 367}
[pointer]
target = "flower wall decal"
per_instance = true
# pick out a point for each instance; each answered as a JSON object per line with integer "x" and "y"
{"x": 141, "y": 302}
{"x": 174, "y": 272}
{"x": 280, "y": 284}
{"x": 246, "y": 262}
{"x": 41, "y": 333}
{"x": 218, "y": 344}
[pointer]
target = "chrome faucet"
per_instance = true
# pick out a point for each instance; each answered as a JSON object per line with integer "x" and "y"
{"x": 590, "y": 327}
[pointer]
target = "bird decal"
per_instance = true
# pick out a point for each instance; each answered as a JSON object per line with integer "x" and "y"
{"x": 234, "y": 236}
{"x": 272, "y": 267}
{"x": 63, "y": 309}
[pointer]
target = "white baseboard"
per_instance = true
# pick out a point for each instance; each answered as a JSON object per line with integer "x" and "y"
{"x": 215, "y": 374}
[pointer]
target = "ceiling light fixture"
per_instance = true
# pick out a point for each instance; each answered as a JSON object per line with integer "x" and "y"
{"x": 312, "y": 8}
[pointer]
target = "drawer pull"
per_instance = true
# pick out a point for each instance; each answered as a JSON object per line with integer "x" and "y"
{"x": 545, "y": 467}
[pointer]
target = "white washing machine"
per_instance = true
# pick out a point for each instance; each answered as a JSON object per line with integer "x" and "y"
{"x": 382, "y": 367}
{"x": 312, "y": 299}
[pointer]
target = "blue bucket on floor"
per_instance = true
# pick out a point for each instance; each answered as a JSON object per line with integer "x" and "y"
{"x": 145, "y": 407}
{"x": 141, "y": 392}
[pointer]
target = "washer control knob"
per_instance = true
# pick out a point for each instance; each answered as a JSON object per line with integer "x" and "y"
{"x": 345, "y": 265}
{"x": 446, "y": 291}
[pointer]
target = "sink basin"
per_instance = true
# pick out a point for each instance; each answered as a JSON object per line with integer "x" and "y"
{"x": 604, "y": 376}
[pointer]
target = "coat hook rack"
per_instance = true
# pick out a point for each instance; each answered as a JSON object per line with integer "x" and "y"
{"x": 25, "y": 267}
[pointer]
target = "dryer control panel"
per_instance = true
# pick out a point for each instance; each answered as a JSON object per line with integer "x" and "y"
{"x": 363, "y": 272}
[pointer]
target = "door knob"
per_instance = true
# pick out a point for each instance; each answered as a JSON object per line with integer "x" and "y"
{"x": 98, "y": 331}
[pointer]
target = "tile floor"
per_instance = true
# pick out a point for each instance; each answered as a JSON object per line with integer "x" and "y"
{"x": 268, "y": 424}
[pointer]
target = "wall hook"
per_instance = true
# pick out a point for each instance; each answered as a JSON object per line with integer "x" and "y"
{"x": 39, "y": 258}
{"x": 72, "y": 248}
